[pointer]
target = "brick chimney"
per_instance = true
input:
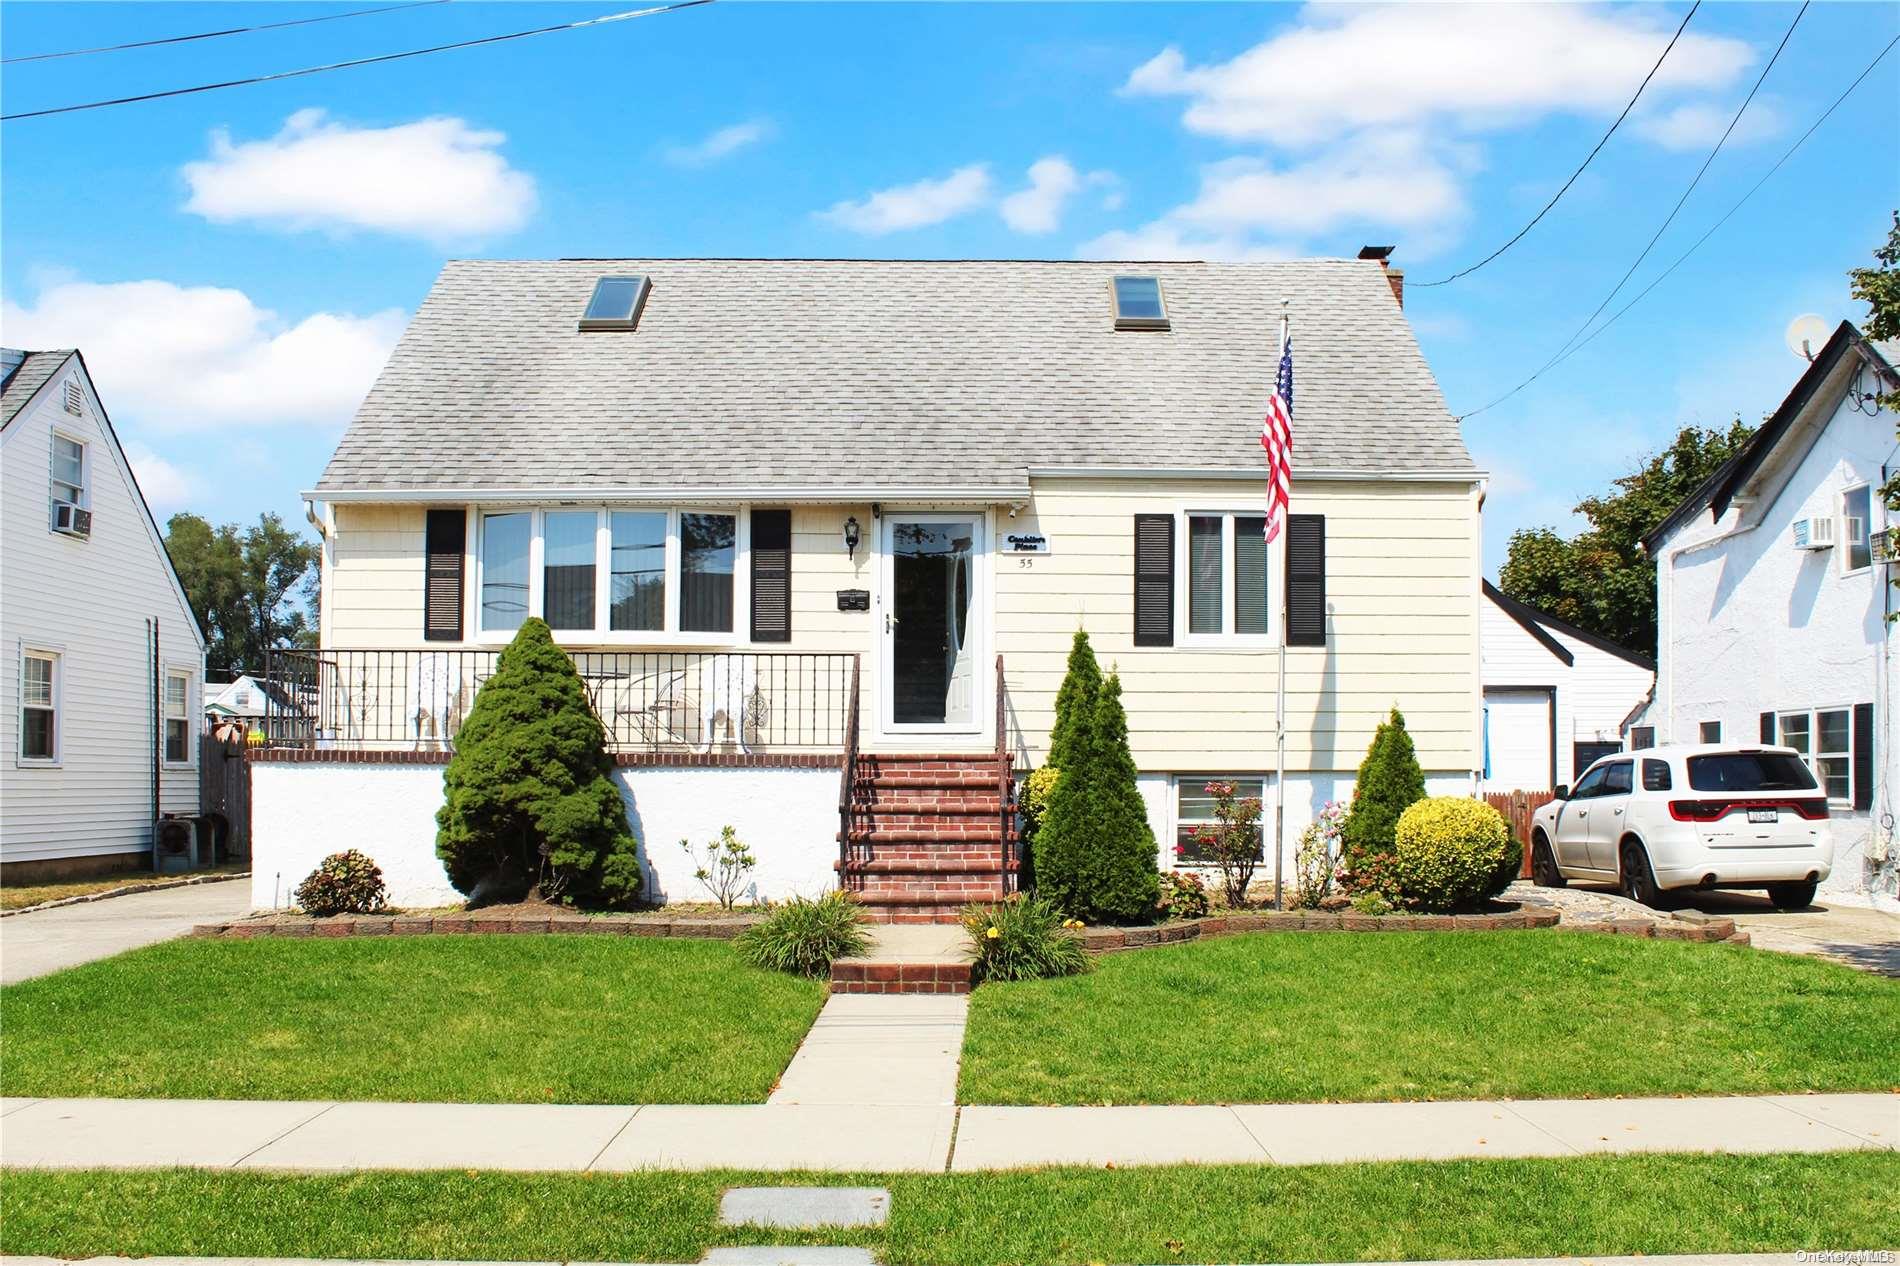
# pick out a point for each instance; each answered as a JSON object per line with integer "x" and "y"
{"x": 1395, "y": 277}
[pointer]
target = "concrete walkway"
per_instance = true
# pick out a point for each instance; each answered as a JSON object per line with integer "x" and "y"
{"x": 1855, "y": 935}
{"x": 53, "y": 940}
{"x": 220, "y": 1134}
{"x": 879, "y": 1049}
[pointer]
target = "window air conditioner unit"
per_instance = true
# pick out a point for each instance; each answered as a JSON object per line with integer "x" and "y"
{"x": 1814, "y": 533}
{"x": 71, "y": 520}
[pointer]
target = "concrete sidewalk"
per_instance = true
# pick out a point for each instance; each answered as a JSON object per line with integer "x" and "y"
{"x": 221, "y": 1134}
{"x": 66, "y": 936}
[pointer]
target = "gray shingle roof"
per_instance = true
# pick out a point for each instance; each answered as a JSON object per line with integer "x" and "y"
{"x": 815, "y": 374}
{"x": 25, "y": 381}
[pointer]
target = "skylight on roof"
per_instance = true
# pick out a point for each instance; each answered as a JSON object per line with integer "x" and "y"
{"x": 1138, "y": 303}
{"x": 616, "y": 304}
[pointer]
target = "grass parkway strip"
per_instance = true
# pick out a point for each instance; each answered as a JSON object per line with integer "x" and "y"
{"x": 1418, "y": 1210}
{"x": 1404, "y": 1015}
{"x": 468, "y": 1019}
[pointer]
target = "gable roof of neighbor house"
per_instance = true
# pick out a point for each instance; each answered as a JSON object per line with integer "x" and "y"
{"x": 831, "y": 377}
{"x": 1540, "y": 623}
{"x": 1719, "y": 490}
{"x": 26, "y": 373}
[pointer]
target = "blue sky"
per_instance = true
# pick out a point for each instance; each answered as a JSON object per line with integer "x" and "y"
{"x": 237, "y": 263}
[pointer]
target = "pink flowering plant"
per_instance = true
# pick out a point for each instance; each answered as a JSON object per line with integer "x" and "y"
{"x": 1231, "y": 841}
{"x": 1316, "y": 860}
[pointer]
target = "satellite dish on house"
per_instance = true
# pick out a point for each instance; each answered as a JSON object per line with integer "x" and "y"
{"x": 1805, "y": 335}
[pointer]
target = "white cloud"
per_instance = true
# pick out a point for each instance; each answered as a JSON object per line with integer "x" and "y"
{"x": 197, "y": 358}
{"x": 1341, "y": 69}
{"x": 437, "y": 178}
{"x": 1163, "y": 240}
{"x": 723, "y": 143}
{"x": 1390, "y": 179}
{"x": 916, "y": 205}
{"x": 1038, "y": 208}
{"x": 1697, "y": 125}
{"x": 166, "y": 487}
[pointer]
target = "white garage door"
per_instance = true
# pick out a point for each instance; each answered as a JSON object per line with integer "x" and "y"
{"x": 1518, "y": 728}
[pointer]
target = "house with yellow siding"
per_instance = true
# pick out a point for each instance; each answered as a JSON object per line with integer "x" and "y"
{"x": 818, "y": 534}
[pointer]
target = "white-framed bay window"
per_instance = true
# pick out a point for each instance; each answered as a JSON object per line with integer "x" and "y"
{"x": 613, "y": 574}
{"x": 1228, "y": 590}
{"x": 1825, "y": 739}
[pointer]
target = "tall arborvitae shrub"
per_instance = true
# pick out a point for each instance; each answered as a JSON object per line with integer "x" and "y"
{"x": 530, "y": 802}
{"x": 1095, "y": 855}
{"x": 1390, "y": 782}
{"x": 1075, "y": 700}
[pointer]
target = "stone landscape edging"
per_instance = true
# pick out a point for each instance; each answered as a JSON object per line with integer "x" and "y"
{"x": 127, "y": 890}
{"x": 723, "y": 929}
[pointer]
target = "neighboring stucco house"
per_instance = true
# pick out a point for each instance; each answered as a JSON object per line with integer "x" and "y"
{"x": 1554, "y": 695}
{"x": 783, "y": 509}
{"x": 99, "y": 698}
{"x": 1773, "y": 602}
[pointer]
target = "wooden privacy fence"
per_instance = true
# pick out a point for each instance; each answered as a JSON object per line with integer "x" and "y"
{"x": 1517, "y": 807}
{"x": 224, "y": 792}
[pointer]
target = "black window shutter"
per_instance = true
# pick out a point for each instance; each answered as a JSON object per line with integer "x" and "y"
{"x": 1306, "y": 580}
{"x": 1154, "y": 580}
{"x": 771, "y": 575}
{"x": 1863, "y": 756}
{"x": 445, "y": 538}
{"x": 1768, "y": 728}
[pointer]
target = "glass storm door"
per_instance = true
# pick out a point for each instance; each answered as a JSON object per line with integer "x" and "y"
{"x": 932, "y": 621}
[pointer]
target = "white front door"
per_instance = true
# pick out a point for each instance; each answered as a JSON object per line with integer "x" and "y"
{"x": 933, "y": 622}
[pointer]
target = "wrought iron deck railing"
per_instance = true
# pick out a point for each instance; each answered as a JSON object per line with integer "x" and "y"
{"x": 648, "y": 701}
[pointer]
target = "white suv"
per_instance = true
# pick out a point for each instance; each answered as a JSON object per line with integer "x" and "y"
{"x": 1665, "y": 819}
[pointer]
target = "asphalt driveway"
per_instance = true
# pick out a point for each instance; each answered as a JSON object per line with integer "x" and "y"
{"x": 52, "y": 940}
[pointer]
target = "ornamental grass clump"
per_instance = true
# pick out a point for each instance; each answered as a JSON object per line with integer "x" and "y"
{"x": 806, "y": 934}
{"x": 1024, "y": 938}
{"x": 343, "y": 883}
{"x": 530, "y": 802}
{"x": 1449, "y": 851}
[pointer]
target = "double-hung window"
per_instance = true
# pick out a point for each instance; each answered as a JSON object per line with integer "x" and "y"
{"x": 177, "y": 717}
{"x": 612, "y": 574}
{"x": 1825, "y": 739}
{"x": 69, "y": 471}
{"x": 39, "y": 706}
{"x": 1194, "y": 808}
{"x": 1228, "y": 583}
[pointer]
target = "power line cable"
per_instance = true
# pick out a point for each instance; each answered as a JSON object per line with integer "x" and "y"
{"x": 1519, "y": 235}
{"x": 212, "y": 35}
{"x": 1569, "y": 344}
{"x": 361, "y": 61}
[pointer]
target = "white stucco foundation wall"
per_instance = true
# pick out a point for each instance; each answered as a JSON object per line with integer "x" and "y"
{"x": 301, "y": 813}
{"x": 1306, "y": 795}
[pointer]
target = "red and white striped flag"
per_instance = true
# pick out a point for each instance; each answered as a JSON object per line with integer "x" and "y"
{"x": 1276, "y": 436}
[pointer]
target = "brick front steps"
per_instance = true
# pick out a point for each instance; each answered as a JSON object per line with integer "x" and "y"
{"x": 869, "y": 975}
{"x": 929, "y": 835}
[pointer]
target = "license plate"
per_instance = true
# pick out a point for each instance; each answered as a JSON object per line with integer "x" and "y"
{"x": 1763, "y": 815}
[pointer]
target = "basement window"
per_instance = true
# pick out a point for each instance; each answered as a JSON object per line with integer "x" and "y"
{"x": 1138, "y": 303}
{"x": 616, "y": 304}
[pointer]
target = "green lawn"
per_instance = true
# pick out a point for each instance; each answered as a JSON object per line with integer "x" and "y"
{"x": 472, "y": 1019}
{"x": 1461, "y": 1209}
{"x": 1395, "y": 1015}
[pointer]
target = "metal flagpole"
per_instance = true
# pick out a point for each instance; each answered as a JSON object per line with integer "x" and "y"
{"x": 1279, "y": 694}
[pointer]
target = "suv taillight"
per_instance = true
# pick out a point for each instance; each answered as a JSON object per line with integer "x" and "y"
{"x": 1813, "y": 808}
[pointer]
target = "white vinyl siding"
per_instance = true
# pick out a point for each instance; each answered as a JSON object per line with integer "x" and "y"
{"x": 89, "y": 601}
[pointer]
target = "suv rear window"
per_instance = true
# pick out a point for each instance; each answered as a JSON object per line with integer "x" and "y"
{"x": 1749, "y": 771}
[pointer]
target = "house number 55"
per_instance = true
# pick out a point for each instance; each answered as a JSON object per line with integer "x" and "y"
{"x": 1025, "y": 564}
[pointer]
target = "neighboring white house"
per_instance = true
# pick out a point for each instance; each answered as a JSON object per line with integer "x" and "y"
{"x": 243, "y": 699}
{"x": 1774, "y": 602}
{"x": 99, "y": 714}
{"x": 1554, "y": 695}
{"x": 763, "y": 502}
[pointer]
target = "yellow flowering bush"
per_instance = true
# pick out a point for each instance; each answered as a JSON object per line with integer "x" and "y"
{"x": 1449, "y": 853}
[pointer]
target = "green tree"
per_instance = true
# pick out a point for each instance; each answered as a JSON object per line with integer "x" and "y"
{"x": 1601, "y": 579}
{"x": 253, "y": 588}
{"x": 530, "y": 802}
{"x": 1075, "y": 699}
{"x": 1390, "y": 782}
{"x": 1095, "y": 852}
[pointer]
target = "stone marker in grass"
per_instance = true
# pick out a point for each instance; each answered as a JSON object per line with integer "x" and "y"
{"x": 802, "y": 1208}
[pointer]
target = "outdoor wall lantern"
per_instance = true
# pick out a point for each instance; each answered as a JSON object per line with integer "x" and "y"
{"x": 852, "y": 535}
